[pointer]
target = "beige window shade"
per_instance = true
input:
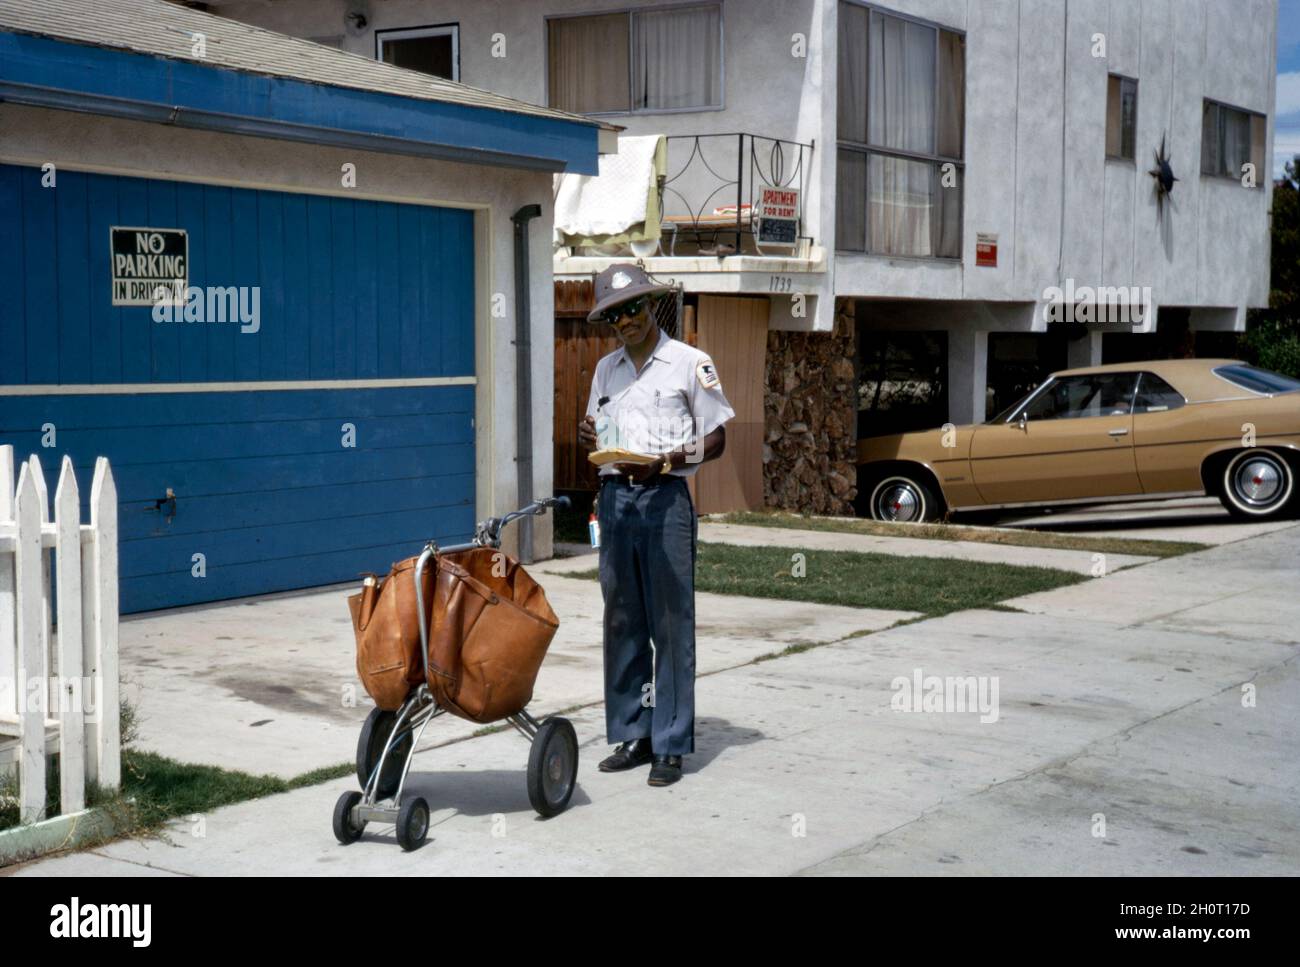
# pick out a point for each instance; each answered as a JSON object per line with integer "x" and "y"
{"x": 952, "y": 93}
{"x": 1121, "y": 117}
{"x": 587, "y": 60}
{"x": 1258, "y": 137}
{"x": 1112, "y": 117}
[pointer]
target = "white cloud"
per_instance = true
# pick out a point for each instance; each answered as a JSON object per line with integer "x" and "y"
{"x": 1288, "y": 93}
{"x": 1286, "y": 145}
{"x": 1286, "y": 123}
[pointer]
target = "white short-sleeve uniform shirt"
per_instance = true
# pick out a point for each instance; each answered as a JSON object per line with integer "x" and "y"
{"x": 675, "y": 401}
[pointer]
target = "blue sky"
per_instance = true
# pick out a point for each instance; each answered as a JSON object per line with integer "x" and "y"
{"x": 1286, "y": 139}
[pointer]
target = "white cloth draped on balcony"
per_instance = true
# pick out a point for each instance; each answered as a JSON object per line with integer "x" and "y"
{"x": 621, "y": 203}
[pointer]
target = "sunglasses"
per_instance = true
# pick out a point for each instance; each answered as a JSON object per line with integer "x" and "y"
{"x": 630, "y": 308}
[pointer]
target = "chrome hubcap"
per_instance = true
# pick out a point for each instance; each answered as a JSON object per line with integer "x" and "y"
{"x": 899, "y": 502}
{"x": 1258, "y": 482}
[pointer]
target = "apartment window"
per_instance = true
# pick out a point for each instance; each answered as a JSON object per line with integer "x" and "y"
{"x": 1121, "y": 117}
{"x": 432, "y": 50}
{"x": 900, "y": 127}
{"x": 655, "y": 60}
{"x": 1230, "y": 139}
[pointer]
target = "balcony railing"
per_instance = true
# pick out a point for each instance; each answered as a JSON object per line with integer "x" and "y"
{"x": 712, "y": 189}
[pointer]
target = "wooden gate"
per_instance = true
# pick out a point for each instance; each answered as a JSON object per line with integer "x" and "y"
{"x": 733, "y": 330}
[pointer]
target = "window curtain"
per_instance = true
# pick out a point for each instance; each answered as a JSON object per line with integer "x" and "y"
{"x": 900, "y": 205}
{"x": 587, "y": 63}
{"x": 945, "y": 224}
{"x": 851, "y": 100}
{"x": 1210, "y": 139}
{"x": 850, "y": 201}
{"x": 952, "y": 93}
{"x": 676, "y": 58}
{"x": 901, "y": 91}
{"x": 1236, "y": 141}
{"x": 1128, "y": 118}
{"x": 1114, "y": 117}
{"x": 900, "y": 86}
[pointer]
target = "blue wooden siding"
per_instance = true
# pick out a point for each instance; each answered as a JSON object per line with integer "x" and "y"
{"x": 265, "y": 489}
{"x": 349, "y": 289}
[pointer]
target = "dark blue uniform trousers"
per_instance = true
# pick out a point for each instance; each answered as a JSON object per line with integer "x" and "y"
{"x": 647, "y": 577}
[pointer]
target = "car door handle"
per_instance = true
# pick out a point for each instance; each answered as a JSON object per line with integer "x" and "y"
{"x": 1122, "y": 431}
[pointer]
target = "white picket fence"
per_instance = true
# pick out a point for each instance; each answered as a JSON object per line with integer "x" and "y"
{"x": 58, "y": 664}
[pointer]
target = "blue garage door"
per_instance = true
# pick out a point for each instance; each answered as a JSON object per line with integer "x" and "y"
{"x": 275, "y": 487}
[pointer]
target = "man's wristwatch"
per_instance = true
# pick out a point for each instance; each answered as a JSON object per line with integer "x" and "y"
{"x": 667, "y": 463}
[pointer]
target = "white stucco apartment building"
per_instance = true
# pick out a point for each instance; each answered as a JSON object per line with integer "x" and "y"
{"x": 957, "y": 162}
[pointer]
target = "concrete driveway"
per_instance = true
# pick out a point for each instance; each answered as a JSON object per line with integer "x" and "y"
{"x": 1201, "y": 520}
{"x": 1144, "y": 723}
{"x": 268, "y": 685}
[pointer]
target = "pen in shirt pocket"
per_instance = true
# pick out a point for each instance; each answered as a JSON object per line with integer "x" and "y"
{"x": 602, "y": 424}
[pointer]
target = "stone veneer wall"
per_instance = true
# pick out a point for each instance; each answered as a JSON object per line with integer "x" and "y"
{"x": 810, "y": 415}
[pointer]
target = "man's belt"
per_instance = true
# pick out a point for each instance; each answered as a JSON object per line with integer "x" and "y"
{"x": 621, "y": 480}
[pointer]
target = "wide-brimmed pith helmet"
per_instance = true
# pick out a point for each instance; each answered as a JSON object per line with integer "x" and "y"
{"x": 622, "y": 283}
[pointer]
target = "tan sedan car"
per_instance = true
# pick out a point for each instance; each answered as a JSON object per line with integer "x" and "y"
{"x": 1119, "y": 432}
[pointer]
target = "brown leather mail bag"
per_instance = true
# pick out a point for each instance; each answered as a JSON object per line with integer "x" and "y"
{"x": 491, "y": 627}
{"x": 488, "y": 633}
{"x": 384, "y": 617}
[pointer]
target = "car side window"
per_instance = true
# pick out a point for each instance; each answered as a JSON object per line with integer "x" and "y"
{"x": 1080, "y": 397}
{"x": 1156, "y": 396}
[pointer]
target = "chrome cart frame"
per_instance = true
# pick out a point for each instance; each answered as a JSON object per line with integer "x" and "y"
{"x": 389, "y": 740}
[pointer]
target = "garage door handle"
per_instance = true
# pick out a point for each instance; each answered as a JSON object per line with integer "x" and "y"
{"x": 1122, "y": 431}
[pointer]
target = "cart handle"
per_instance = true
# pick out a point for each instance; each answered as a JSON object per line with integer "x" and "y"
{"x": 489, "y": 532}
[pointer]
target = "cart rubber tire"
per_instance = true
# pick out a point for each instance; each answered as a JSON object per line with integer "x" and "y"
{"x": 345, "y": 831}
{"x": 370, "y": 745}
{"x": 552, "y": 767}
{"x": 413, "y": 824}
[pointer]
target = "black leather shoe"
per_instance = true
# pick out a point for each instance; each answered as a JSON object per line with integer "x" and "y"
{"x": 629, "y": 755}
{"x": 666, "y": 770}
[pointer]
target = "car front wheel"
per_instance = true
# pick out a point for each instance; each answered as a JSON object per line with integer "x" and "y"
{"x": 1257, "y": 484}
{"x": 903, "y": 499}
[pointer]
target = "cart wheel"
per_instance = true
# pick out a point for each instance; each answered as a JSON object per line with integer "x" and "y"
{"x": 346, "y": 831}
{"x": 413, "y": 824}
{"x": 370, "y": 746}
{"x": 552, "y": 766}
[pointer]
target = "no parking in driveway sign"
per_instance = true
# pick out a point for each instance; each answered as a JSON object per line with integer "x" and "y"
{"x": 146, "y": 260}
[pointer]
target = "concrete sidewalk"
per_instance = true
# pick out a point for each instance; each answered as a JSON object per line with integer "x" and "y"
{"x": 1119, "y": 700}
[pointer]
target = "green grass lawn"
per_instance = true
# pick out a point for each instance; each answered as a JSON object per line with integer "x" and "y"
{"x": 156, "y": 789}
{"x": 958, "y": 532}
{"x": 931, "y": 586}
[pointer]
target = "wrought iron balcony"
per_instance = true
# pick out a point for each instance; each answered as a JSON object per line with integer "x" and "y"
{"x": 712, "y": 196}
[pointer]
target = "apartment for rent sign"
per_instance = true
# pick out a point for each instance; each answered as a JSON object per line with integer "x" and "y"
{"x": 778, "y": 214}
{"x": 150, "y": 265}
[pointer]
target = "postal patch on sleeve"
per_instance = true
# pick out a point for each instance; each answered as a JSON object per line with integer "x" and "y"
{"x": 708, "y": 376}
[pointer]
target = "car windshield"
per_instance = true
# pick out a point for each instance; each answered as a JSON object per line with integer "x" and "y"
{"x": 1257, "y": 380}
